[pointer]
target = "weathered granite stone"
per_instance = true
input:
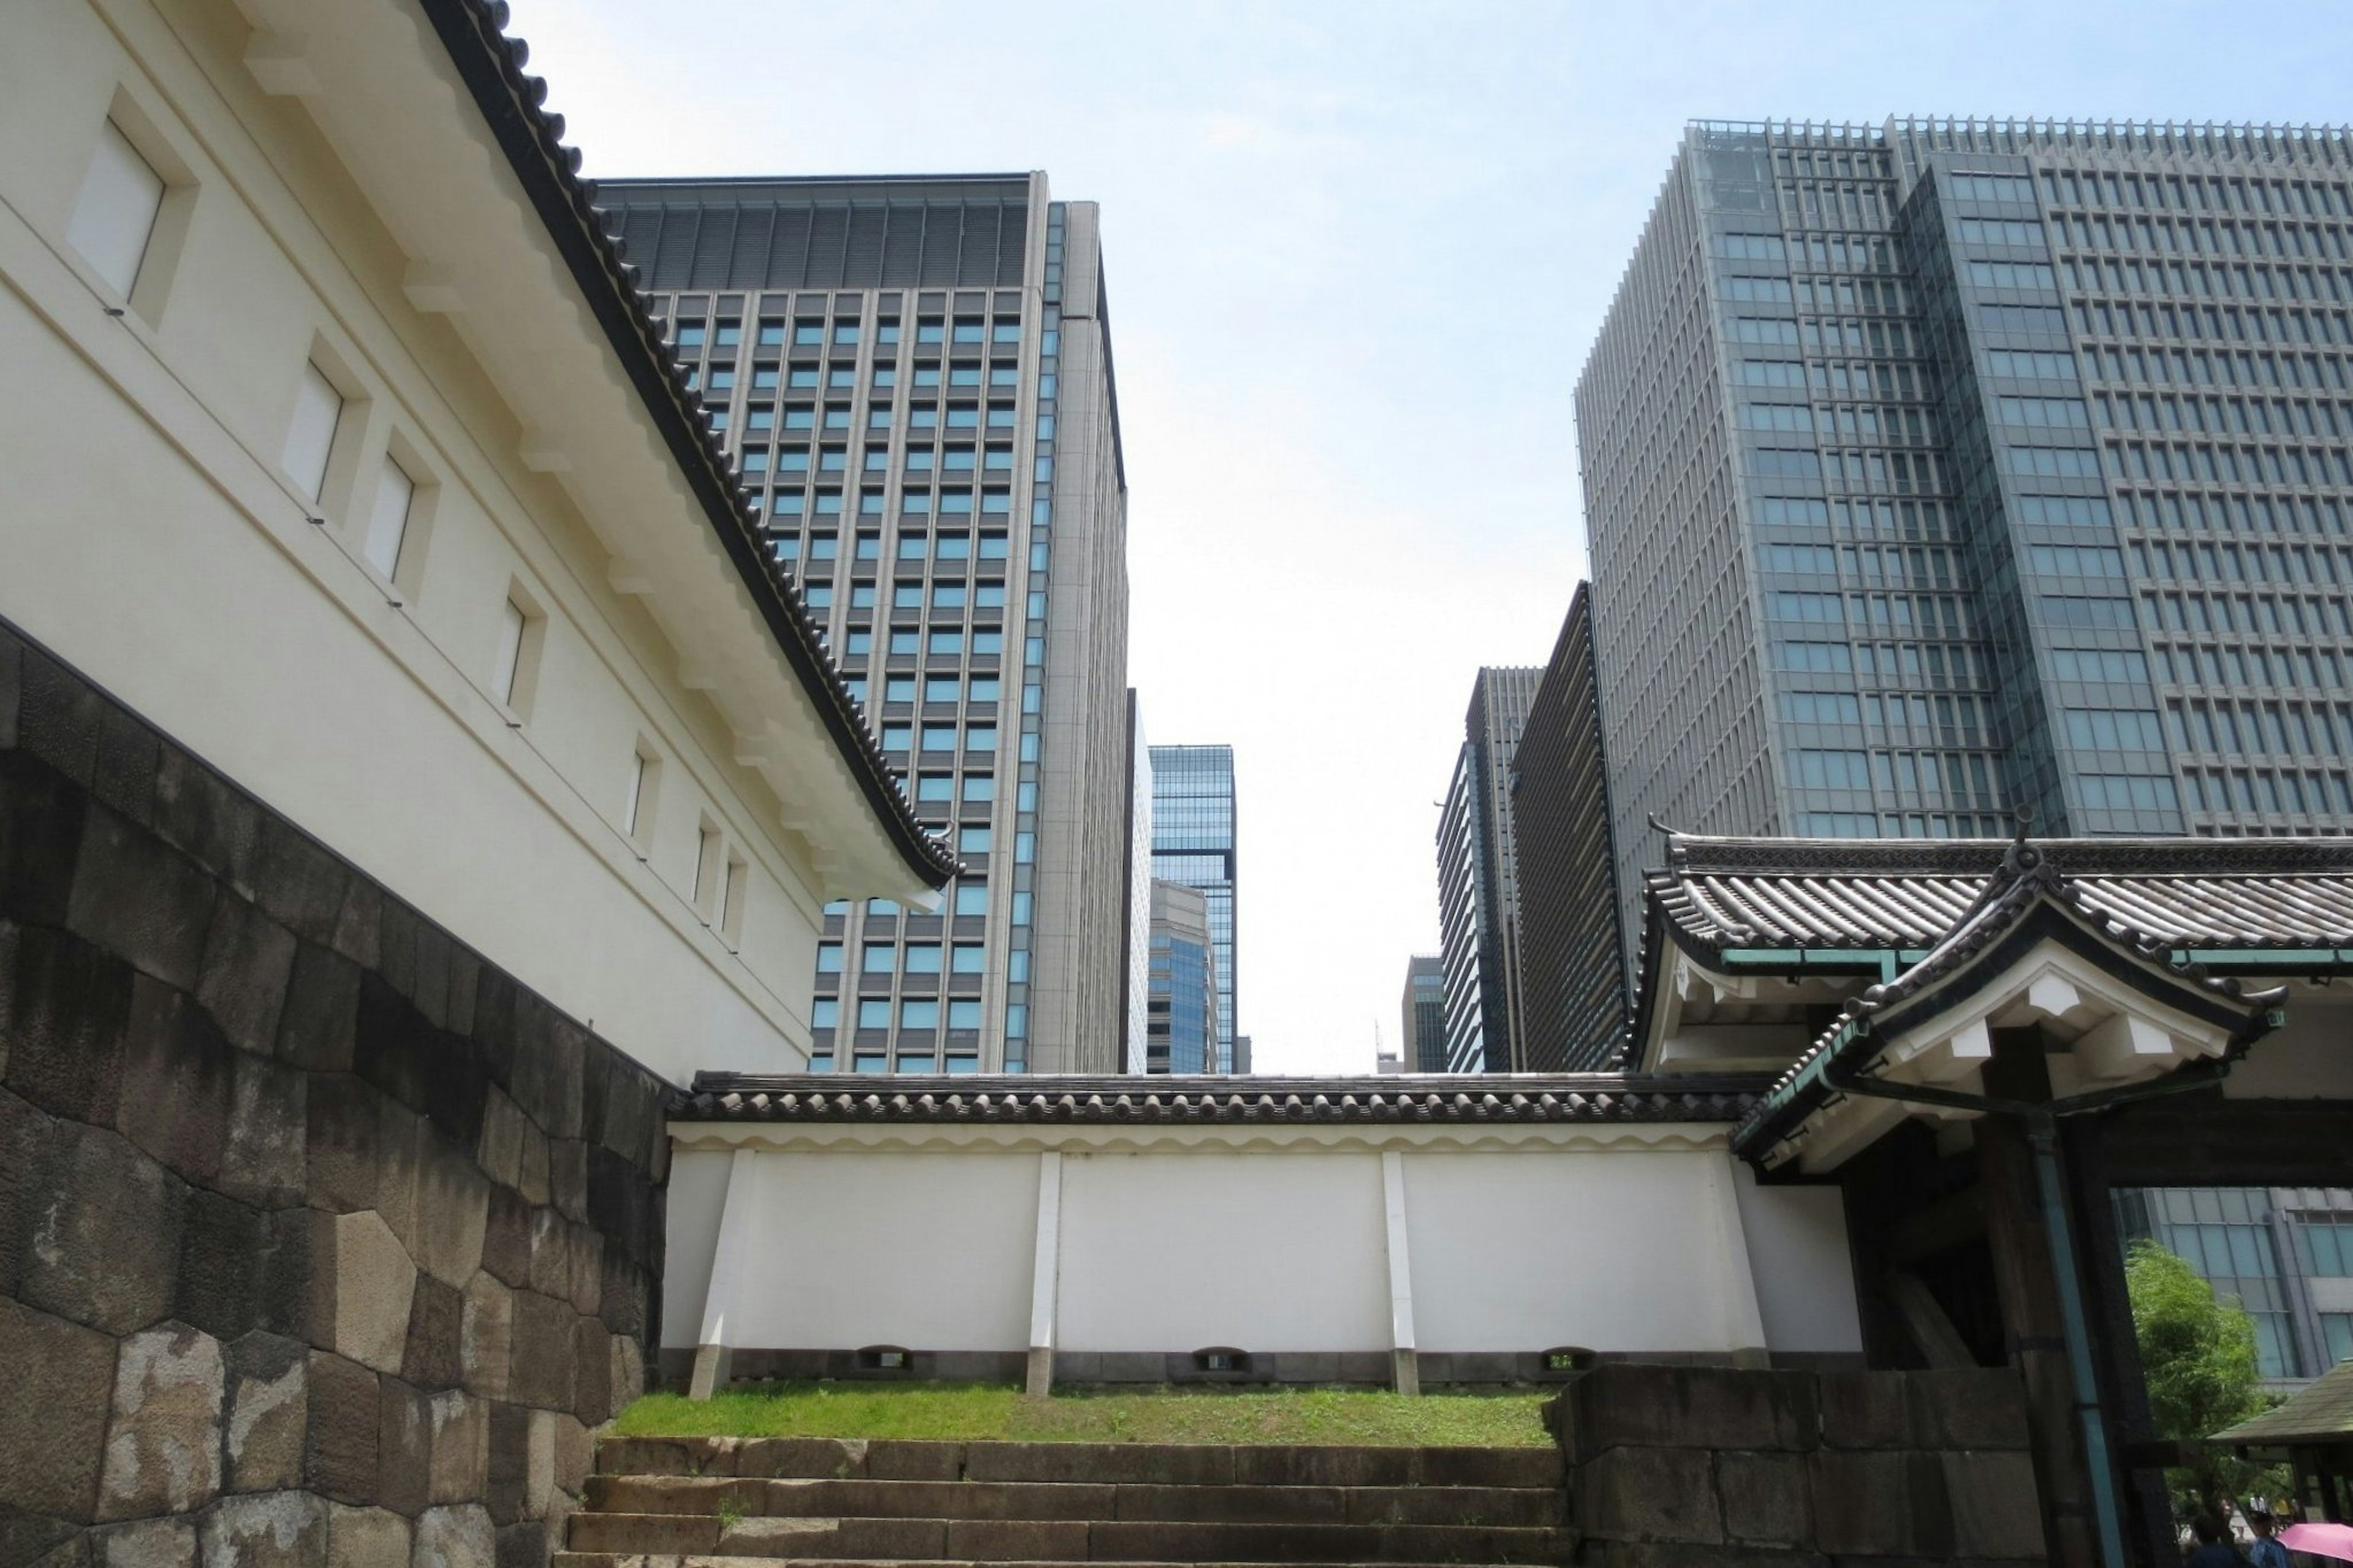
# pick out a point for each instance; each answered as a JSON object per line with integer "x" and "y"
{"x": 269, "y": 1529}
{"x": 397, "y": 947}
{"x": 12, "y": 681}
{"x": 122, "y": 773}
{"x": 202, "y": 814}
{"x": 248, "y": 962}
{"x": 267, "y": 1381}
{"x": 401, "y": 1138}
{"x": 1649, "y": 1494}
{"x": 532, "y": 1178}
{"x": 1968, "y": 1407}
{"x": 359, "y": 922}
{"x": 486, "y": 1337}
{"x": 547, "y": 1070}
{"x": 507, "y": 1462}
{"x": 585, "y": 1257}
{"x": 33, "y": 1148}
{"x": 164, "y": 1442}
{"x": 500, "y": 1153}
{"x": 525, "y": 1545}
{"x": 592, "y": 1371}
{"x": 428, "y": 984}
{"x": 455, "y": 1082}
{"x": 403, "y": 1447}
{"x": 465, "y": 986}
{"x": 58, "y": 715}
{"x": 339, "y": 1448}
{"x": 297, "y": 883}
{"x": 1865, "y": 1409}
{"x": 148, "y": 1543}
{"x": 617, "y": 1296}
{"x": 375, "y": 1282}
{"x": 456, "y": 1537}
{"x": 494, "y": 1025}
{"x": 71, "y": 1009}
{"x": 551, "y": 1259}
{"x": 462, "y": 1444}
{"x": 1764, "y": 1498}
{"x": 567, "y": 1177}
{"x": 138, "y": 897}
{"x": 105, "y": 1246}
{"x": 1864, "y": 1504}
{"x": 452, "y": 1207}
{"x": 540, "y": 1368}
{"x": 539, "y": 1472}
{"x": 627, "y": 1371}
{"x": 390, "y": 1040}
{"x": 575, "y": 1454}
{"x": 224, "y": 1263}
{"x": 53, "y": 1409}
{"x": 298, "y": 1277}
{"x": 434, "y": 1358}
{"x": 343, "y": 1136}
{"x": 175, "y": 1081}
{"x": 315, "y": 1026}
{"x": 506, "y": 1237}
{"x": 263, "y": 1161}
{"x": 367, "y": 1538}
{"x": 1995, "y": 1504}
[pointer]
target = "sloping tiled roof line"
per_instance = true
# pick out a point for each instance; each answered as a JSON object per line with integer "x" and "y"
{"x": 1479, "y": 1099}
{"x": 1906, "y": 893}
{"x": 511, "y": 101}
{"x": 2321, "y": 1413}
{"x": 2027, "y": 878}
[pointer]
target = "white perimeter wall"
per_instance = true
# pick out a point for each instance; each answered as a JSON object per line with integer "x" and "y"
{"x": 846, "y": 1239}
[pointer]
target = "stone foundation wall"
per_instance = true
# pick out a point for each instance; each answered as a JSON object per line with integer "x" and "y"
{"x": 321, "y": 1240}
{"x": 1797, "y": 1468}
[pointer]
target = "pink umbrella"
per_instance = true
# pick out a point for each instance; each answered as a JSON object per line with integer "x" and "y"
{"x": 2320, "y": 1540}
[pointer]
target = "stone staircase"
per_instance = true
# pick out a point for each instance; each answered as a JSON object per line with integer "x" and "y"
{"x": 672, "y": 1503}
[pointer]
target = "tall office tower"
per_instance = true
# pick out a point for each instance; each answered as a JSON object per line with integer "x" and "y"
{"x": 1139, "y": 889}
{"x": 1973, "y": 465}
{"x": 1421, "y": 1045}
{"x": 1182, "y": 1023}
{"x": 1193, "y": 843}
{"x": 914, "y": 377}
{"x": 1478, "y": 897}
{"x": 1573, "y": 985}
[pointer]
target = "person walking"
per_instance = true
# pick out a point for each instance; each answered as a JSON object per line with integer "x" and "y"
{"x": 2267, "y": 1551}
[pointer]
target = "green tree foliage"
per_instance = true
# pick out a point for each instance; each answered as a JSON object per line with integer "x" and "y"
{"x": 2197, "y": 1358}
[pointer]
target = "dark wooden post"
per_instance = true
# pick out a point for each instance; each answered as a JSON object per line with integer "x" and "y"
{"x": 2030, "y": 1300}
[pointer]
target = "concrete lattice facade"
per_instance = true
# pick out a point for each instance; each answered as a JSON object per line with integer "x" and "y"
{"x": 915, "y": 375}
{"x": 1990, "y": 464}
{"x": 1478, "y": 879}
{"x": 1572, "y": 977}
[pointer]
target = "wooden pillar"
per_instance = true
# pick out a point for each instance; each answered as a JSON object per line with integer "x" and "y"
{"x": 2030, "y": 1301}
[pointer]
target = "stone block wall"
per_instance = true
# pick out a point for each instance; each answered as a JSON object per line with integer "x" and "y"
{"x": 1680, "y": 1465}
{"x": 321, "y": 1240}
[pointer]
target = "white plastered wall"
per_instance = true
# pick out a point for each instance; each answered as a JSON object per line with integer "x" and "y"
{"x": 1628, "y": 1241}
{"x": 148, "y": 537}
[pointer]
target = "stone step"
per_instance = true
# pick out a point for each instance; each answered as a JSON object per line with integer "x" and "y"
{"x": 1164, "y": 1464}
{"x": 1077, "y": 1500}
{"x": 707, "y": 1559}
{"x": 933, "y": 1541}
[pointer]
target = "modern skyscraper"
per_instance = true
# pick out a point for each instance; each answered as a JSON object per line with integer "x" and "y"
{"x": 1139, "y": 889}
{"x": 1974, "y": 464}
{"x": 914, "y": 377}
{"x": 1421, "y": 1044}
{"x": 1182, "y": 1027}
{"x": 1572, "y": 975}
{"x": 1478, "y": 896}
{"x": 1193, "y": 843}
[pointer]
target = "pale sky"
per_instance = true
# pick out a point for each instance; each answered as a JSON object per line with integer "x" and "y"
{"x": 1356, "y": 254}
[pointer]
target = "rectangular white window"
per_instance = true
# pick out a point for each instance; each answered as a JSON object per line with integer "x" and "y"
{"x": 318, "y": 409}
{"x": 637, "y": 794}
{"x": 706, "y": 865}
{"x": 731, "y": 901}
{"x": 513, "y": 623}
{"x": 388, "y": 524}
{"x": 116, "y": 213}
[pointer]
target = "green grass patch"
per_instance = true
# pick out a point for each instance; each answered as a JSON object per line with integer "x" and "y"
{"x": 967, "y": 1412}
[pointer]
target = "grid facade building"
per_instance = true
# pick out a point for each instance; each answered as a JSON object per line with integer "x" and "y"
{"x": 1182, "y": 1018}
{"x": 1572, "y": 976}
{"x": 1478, "y": 878}
{"x": 914, "y": 377}
{"x": 1978, "y": 465}
{"x": 1421, "y": 1040}
{"x": 1193, "y": 844}
{"x": 2285, "y": 1253}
